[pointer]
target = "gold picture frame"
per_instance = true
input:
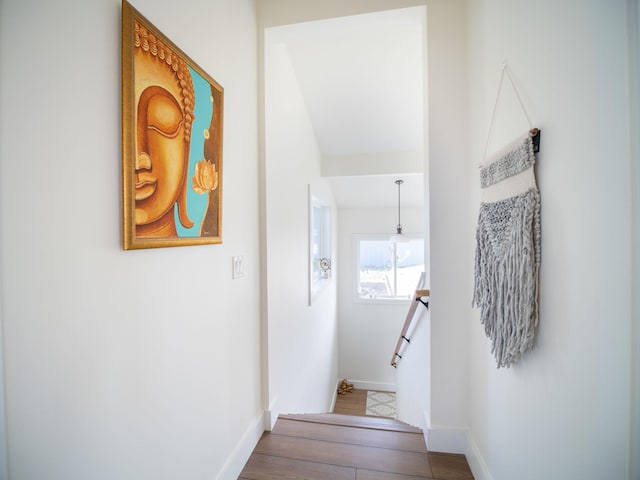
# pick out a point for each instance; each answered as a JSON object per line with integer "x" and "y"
{"x": 172, "y": 118}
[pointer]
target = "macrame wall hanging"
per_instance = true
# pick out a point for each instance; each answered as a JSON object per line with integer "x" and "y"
{"x": 507, "y": 259}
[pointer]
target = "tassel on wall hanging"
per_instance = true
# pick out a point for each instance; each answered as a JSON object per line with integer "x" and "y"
{"x": 507, "y": 260}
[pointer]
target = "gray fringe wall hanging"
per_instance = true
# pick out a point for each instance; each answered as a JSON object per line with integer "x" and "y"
{"x": 507, "y": 259}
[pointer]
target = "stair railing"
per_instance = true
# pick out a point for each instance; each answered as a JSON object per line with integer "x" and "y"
{"x": 418, "y": 297}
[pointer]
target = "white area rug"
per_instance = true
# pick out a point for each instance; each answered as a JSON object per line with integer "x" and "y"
{"x": 381, "y": 404}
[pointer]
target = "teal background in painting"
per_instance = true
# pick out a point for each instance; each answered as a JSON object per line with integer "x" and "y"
{"x": 203, "y": 111}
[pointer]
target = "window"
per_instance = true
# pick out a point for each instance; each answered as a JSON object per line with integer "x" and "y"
{"x": 319, "y": 245}
{"x": 387, "y": 270}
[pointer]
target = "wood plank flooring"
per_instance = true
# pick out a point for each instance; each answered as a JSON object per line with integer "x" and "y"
{"x": 352, "y": 403}
{"x": 309, "y": 450}
{"x": 348, "y": 447}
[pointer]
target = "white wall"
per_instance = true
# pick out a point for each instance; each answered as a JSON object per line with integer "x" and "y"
{"x": 633, "y": 14}
{"x": 450, "y": 262}
{"x": 412, "y": 374}
{"x": 302, "y": 338}
{"x": 563, "y": 412}
{"x": 128, "y": 365}
{"x": 368, "y": 332}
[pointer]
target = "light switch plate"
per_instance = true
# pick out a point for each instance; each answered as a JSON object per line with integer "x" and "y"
{"x": 237, "y": 267}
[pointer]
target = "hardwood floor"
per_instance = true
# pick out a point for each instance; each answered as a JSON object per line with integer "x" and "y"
{"x": 348, "y": 447}
{"x": 353, "y": 403}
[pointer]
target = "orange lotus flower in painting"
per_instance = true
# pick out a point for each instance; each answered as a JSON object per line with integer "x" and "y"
{"x": 205, "y": 178}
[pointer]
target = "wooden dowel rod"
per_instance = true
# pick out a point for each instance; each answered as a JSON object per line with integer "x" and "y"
{"x": 407, "y": 322}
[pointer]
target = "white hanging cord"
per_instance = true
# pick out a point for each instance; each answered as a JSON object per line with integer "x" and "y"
{"x": 504, "y": 70}
{"x": 524, "y": 110}
{"x": 493, "y": 114}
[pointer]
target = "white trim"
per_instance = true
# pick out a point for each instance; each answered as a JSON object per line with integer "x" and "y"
{"x": 271, "y": 416}
{"x": 456, "y": 440}
{"x": 323, "y": 247}
{"x": 633, "y": 26}
{"x": 444, "y": 439}
{"x": 335, "y": 395}
{"x": 447, "y": 440}
{"x": 4, "y": 460}
{"x": 270, "y": 419}
{"x": 377, "y": 386}
{"x": 243, "y": 450}
{"x": 476, "y": 460}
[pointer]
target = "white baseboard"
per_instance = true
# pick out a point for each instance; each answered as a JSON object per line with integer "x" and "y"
{"x": 476, "y": 460}
{"x": 444, "y": 439}
{"x": 270, "y": 418}
{"x": 378, "y": 386}
{"x": 243, "y": 450}
{"x": 271, "y": 415}
{"x": 335, "y": 396}
{"x": 456, "y": 440}
{"x": 447, "y": 440}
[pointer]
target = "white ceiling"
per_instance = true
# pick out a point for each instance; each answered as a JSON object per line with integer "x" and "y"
{"x": 362, "y": 81}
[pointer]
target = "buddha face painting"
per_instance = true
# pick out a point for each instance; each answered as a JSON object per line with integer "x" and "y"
{"x": 172, "y": 142}
{"x": 164, "y": 100}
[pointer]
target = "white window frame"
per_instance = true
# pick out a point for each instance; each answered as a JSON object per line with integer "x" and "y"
{"x": 319, "y": 245}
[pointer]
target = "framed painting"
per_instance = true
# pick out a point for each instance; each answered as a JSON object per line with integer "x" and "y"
{"x": 172, "y": 115}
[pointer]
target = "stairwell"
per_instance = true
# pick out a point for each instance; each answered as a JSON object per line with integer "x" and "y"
{"x": 346, "y": 447}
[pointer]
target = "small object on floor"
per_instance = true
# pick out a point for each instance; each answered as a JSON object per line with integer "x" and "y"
{"x": 345, "y": 387}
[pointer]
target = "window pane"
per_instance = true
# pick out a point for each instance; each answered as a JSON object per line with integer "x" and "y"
{"x": 410, "y": 264}
{"x": 387, "y": 270}
{"x": 376, "y": 269}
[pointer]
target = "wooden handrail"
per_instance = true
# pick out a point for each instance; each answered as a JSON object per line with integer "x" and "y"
{"x": 417, "y": 297}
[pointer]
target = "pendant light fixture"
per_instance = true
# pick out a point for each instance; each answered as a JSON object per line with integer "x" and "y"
{"x": 398, "y": 237}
